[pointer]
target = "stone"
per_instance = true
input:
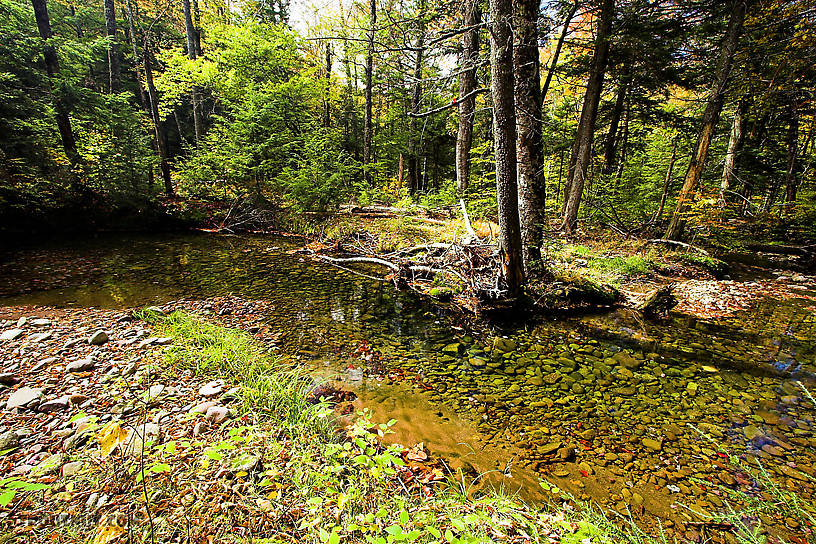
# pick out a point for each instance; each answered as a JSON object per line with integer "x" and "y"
{"x": 217, "y": 414}
{"x": 751, "y": 432}
{"x": 503, "y": 345}
{"x": 9, "y": 379}
{"x": 9, "y": 441}
{"x": 163, "y": 341}
{"x": 653, "y": 445}
{"x": 549, "y": 448}
{"x": 11, "y": 334}
{"x": 55, "y": 405}
{"x": 154, "y": 310}
{"x": 155, "y": 392}
{"x": 41, "y": 322}
{"x": 24, "y": 397}
{"x": 40, "y": 336}
{"x": 453, "y": 349}
{"x": 566, "y": 453}
{"x": 211, "y": 389}
{"x": 69, "y": 469}
{"x": 139, "y": 436}
{"x": 98, "y": 338}
{"x": 81, "y": 365}
{"x": 202, "y": 407}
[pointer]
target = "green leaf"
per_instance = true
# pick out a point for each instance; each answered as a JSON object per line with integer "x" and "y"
{"x": 434, "y": 532}
{"x": 403, "y": 516}
{"x": 7, "y": 497}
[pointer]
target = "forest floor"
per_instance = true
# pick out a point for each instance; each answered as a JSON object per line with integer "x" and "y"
{"x": 180, "y": 424}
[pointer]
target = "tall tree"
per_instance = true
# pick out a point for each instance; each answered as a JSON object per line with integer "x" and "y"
{"x": 610, "y": 147}
{"x": 558, "y": 46}
{"x": 52, "y": 68}
{"x": 414, "y": 177}
{"x": 711, "y": 115}
{"x": 504, "y": 142}
{"x": 161, "y": 140}
{"x": 469, "y": 60}
{"x": 114, "y": 66}
{"x": 582, "y": 149}
{"x": 368, "y": 128}
{"x": 734, "y": 146}
{"x": 793, "y": 149}
{"x": 529, "y": 148}
{"x": 191, "y": 54}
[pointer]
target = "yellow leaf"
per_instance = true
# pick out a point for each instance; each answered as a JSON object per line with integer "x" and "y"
{"x": 107, "y": 532}
{"x": 111, "y": 436}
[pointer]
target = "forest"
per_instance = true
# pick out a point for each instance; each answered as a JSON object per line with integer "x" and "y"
{"x": 380, "y": 271}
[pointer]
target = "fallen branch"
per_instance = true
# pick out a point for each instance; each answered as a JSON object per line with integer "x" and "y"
{"x": 370, "y": 260}
{"x": 468, "y": 226}
{"x": 667, "y": 242}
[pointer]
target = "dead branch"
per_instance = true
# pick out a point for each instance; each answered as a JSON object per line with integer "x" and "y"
{"x": 667, "y": 242}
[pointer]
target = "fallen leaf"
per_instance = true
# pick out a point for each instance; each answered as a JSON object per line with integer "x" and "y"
{"x": 110, "y": 437}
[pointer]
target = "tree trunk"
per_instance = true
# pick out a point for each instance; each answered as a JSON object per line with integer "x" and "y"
{"x": 191, "y": 54}
{"x": 710, "y": 118}
{"x": 414, "y": 180}
{"x": 132, "y": 29}
{"x": 734, "y": 147}
{"x": 666, "y": 183}
{"x": 589, "y": 112}
{"x": 624, "y": 145}
{"x": 326, "y": 100}
{"x": 114, "y": 67}
{"x": 793, "y": 148}
{"x": 471, "y": 16}
{"x": 197, "y": 27}
{"x": 161, "y": 142}
{"x": 504, "y": 138}
{"x": 610, "y": 149}
{"x": 529, "y": 147}
{"x": 368, "y": 129}
{"x": 557, "y": 52}
{"x": 52, "y": 68}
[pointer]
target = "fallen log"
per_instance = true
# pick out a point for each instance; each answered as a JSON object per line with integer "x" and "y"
{"x": 658, "y": 301}
{"x": 684, "y": 245}
{"x": 369, "y": 260}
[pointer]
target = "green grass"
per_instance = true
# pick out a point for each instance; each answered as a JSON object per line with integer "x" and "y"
{"x": 267, "y": 386}
{"x": 574, "y": 263}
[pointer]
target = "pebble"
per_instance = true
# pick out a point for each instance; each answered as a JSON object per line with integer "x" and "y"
{"x": 69, "y": 469}
{"x": 9, "y": 441}
{"x": 653, "y": 445}
{"x": 212, "y": 388}
{"x": 217, "y": 414}
{"x": 23, "y": 397}
{"x": 81, "y": 365}
{"x": 9, "y": 379}
{"x": 98, "y": 338}
{"x": 11, "y": 334}
{"x": 55, "y": 405}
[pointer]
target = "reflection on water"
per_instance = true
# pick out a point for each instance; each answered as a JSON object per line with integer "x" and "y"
{"x": 610, "y": 407}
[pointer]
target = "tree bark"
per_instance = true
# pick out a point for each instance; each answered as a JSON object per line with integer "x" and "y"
{"x": 582, "y": 150}
{"x": 610, "y": 149}
{"x": 469, "y": 58}
{"x": 666, "y": 183}
{"x": 161, "y": 142}
{"x": 734, "y": 146}
{"x": 197, "y": 27}
{"x": 52, "y": 69}
{"x": 191, "y": 54}
{"x": 793, "y": 148}
{"x": 414, "y": 181}
{"x": 114, "y": 65}
{"x": 529, "y": 147}
{"x": 368, "y": 129}
{"x": 504, "y": 141}
{"x": 132, "y": 29}
{"x": 326, "y": 100}
{"x": 710, "y": 118}
{"x": 557, "y": 52}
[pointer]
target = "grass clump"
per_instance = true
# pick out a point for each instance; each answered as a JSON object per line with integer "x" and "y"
{"x": 715, "y": 267}
{"x": 267, "y": 386}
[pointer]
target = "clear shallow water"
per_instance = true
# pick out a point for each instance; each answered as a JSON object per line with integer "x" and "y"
{"x": 601, "y": 405}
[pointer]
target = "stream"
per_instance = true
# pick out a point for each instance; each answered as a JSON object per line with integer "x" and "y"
{"x": 637, "y": 416}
